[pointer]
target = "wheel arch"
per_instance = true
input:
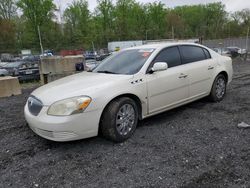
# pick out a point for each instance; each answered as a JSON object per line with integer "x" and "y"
{"x": 129, "y": 95}
{"x": 224, "y": 73}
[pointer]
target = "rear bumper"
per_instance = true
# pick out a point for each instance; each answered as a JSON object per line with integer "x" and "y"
{"x": 64, "y": 128}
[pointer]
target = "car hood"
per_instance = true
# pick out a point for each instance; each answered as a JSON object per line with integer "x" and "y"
{"x": 85, "y": 83}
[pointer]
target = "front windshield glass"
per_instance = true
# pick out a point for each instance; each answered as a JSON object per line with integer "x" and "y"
{"x": 125, "y": 62}
{"x": 10, "y": 65}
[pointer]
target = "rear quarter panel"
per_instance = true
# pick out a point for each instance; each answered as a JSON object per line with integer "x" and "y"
{"x": 225, "y": 64}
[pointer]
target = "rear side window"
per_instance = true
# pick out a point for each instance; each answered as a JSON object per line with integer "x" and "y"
{"x": 169, "y": 55}
{"x": 208, "y": 56}
{"x": 192, "y": 54}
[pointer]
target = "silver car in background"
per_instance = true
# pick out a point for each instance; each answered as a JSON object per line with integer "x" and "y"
{"x": 4, "y": 72}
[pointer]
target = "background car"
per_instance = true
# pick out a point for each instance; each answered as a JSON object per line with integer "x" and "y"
{"x": 3, "y": 72}
{"x": 102, "y": 57}
{"x": 90, "y": 55}
{"x": 223, "y": 51}
{"x": 3, "y": 63}
{"x": 32, "y": 58}
{"x": 236, "y": 51}
{"x": 28, "y": 71}
{"x": 23, "y": 70}
{"x": 13, "y": 67}
{"x": 91, "y": 64}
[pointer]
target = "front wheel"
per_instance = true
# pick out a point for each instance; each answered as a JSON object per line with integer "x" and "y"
{"x": 119, "y": 119}
{"x": 219, "y": 88}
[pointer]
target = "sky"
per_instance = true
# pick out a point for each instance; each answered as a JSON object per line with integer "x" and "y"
{"x": 231, "y": 5}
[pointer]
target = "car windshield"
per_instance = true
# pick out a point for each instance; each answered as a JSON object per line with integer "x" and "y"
{"x": 124, "y": 62}
{"x": 10, "y": 65}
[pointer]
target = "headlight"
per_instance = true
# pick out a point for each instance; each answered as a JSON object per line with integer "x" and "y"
{"x": 69, "y": 106}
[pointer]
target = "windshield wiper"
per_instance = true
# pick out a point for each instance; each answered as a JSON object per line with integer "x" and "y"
{"x": 107, "y": 72}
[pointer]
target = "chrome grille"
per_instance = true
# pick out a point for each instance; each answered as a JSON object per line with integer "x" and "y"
{"x": 34, "y": 105}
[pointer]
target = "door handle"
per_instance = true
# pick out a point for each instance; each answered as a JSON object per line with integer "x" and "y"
{"x": 210, "y": 68}
{"x": 182, "y": 75}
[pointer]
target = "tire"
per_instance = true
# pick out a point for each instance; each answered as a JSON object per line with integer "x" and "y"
{"x": 219, "y": 88}
{"x": 119, "y": 119}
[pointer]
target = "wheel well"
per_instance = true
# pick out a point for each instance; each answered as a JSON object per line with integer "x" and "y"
{"x": 224, "y": 73}
{"x": 132, "y": 96}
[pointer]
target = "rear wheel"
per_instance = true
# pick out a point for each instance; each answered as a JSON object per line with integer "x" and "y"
{"x": 119, "y": 119}
{"x": 219, "y": 88}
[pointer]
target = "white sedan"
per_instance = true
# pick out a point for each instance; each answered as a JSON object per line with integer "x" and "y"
{"x": 128, "y": 86}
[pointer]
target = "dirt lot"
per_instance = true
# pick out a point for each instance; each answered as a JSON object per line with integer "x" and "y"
{"x": 197, "y": 145}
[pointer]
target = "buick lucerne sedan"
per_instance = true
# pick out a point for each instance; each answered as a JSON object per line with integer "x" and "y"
{"x": 129, "y": 86}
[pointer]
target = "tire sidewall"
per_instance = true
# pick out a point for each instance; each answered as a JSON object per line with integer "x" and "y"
{"x": 123, "y": 102}
{"x": 213, "y": 92}
{"x": 110, "y": 115}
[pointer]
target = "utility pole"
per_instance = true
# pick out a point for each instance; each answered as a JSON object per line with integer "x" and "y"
{"x": 93, "y": 46}
{"x": 247, "y": 43}
{"x": 147, "y": 35}
{"x": 173, "y": 32}
{"x": 40, "y": 39}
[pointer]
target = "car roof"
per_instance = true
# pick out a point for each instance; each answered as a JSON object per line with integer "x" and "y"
{"x": 163, "y": 45}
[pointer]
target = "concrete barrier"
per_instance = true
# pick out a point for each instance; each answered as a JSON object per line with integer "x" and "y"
{"x": 9, "y": 86}
{"x": 53, "y": 68}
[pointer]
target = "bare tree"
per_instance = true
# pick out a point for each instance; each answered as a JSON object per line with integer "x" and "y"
{"x": 8, "y": 9}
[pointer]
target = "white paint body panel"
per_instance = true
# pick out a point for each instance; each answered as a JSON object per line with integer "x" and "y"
{"x": 157, "y": 92}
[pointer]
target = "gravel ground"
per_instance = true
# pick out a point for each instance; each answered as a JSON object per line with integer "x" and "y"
{"x": 197, "y": 145}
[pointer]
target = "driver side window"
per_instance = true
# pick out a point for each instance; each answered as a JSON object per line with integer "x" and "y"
{"x": 170, "y": 55}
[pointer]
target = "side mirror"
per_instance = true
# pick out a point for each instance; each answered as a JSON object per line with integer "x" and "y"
{"x": 159, "y": 66}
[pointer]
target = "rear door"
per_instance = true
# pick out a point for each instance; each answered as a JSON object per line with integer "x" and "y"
{"x": 200, "y": 69}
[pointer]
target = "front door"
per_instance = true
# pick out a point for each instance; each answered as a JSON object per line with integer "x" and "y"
{"x": 170, "y": 87}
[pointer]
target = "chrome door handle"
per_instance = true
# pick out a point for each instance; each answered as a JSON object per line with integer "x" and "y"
{"x": 210, "y": 68}
{"x": 183, "y": 75}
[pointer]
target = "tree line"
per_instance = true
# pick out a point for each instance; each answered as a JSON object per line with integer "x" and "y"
{"x": 21, "y": 22}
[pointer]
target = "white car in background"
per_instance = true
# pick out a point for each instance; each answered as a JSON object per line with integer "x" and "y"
{"x": 222, "y": 51}
{"x": 131, "y": 85}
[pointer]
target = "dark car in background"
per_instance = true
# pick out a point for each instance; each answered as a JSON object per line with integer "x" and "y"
{"x": 236, "y": 51}
{"x": 13, "y": 67}
{"x": 32, "y": 58}
{"x": 29, "y": 71}
{"x": 24, "y": 70}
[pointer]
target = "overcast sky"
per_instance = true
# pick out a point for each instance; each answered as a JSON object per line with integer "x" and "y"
{"x": 231, "y": 5}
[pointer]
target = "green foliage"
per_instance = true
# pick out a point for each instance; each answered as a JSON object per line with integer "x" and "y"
{"x": 113, "y": 21}
{"x": 37, "y": 12}
{"x": 7, "y": 35}
{"x": 77, "y": 20}
{"x": 7, "y": 9}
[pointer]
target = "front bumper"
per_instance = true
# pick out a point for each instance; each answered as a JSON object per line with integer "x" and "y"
{"x": 63, "y": 128}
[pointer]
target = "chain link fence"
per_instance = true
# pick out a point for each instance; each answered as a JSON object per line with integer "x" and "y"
{"x": 222, "y": 43}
